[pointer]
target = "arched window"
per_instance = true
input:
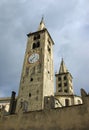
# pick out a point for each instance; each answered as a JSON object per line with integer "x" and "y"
{"x": 38, "y": 36}
{"x": 65, "y": 77}
{"x": 38, "y": 44}
{"x": 34, "y": 37}
{"x": 34, "y": 46}
{"x": 66, "y": 102}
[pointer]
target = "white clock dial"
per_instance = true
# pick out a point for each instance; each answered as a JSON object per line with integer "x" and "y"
{"x": 33, "y": 58}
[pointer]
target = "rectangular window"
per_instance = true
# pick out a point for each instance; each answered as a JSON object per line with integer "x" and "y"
{"x": 66, "y": 102}
{"x": 59, "y": 85}
{"x": 59, "y": 78}
{"x": 65, "y": 90}
{"x": 36, "y": 37}
{"x": 59, "y": 90}
{"x": 49, "y": 49}
{"x": 65, "y": 84}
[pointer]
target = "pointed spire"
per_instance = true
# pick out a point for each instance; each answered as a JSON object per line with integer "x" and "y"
{"x": 42, "y": 25}
{"x": 63, "y": 68}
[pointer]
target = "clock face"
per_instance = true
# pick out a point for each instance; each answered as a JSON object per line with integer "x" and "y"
{"x": 33, "y": 58}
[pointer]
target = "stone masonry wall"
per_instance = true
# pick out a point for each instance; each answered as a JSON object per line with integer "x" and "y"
{"x": 68, "y": 118}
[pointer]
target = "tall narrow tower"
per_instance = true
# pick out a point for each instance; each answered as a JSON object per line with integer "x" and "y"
{"x": 64, "y": 81}
{"x": 37, "y": 79}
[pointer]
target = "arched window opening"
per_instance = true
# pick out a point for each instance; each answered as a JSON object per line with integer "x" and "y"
{"x": 34, "y": 46}
{"x": 66, "y": 91}
{"x": 38, "y": 44}
{"x": 38, "y": 36}
{"x": 34, "y": 37}
{"x": 31, "y": 79}
{"x": 59, "y": 78}
{"x": 65, "y": 77}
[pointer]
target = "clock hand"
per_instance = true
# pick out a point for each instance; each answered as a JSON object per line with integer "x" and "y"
{"x": 33, "y": 58}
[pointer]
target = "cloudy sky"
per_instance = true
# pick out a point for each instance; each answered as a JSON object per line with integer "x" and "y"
{"x": 68, "y": 23}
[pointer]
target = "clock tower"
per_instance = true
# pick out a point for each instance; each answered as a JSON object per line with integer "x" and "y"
{"x": 37, "y": 78}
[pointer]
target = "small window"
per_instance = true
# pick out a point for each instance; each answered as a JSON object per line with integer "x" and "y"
{"x": 34, "y": 46}
{"x": 59, "y": 90}
{"x": 59, "y": 85}
{"x": 65, "y": 84}
{"x": 65, "y": 77}
{"x": 66, "y": 102}
{"x": 38, "y": 36}
{"x": 59, "y": 78}
{"x": 34, "y": 37}
{"x": 49, "y": 50}
{"x": 38, "y": 44}
{"x": 65, "y": 90}
{"x": 31, "y": 79}
{"x": 48, "y": 72}
{"x": 29, "y": 94}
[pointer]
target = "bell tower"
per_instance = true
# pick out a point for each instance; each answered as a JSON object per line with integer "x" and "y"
{"x": 37, "y": 79}
{"x": 64, "y": 84}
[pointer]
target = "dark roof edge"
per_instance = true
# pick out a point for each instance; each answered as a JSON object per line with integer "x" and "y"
{"x": 29, "y": 34}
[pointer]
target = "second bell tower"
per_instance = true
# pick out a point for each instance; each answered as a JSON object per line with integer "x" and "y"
{"x": 37, "y": 79}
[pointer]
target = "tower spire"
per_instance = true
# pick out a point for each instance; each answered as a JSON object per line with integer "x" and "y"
{"x": 42, "y": 24}
{"x": 42, "y": 19}
{"x": 63, "y": 68}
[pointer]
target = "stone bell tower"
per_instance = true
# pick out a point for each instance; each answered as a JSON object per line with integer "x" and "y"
{"x": 37, "y": 79}
{"x": 64, "y": 84}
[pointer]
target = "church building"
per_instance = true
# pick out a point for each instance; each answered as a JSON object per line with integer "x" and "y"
{"x": 36, "y": 90}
